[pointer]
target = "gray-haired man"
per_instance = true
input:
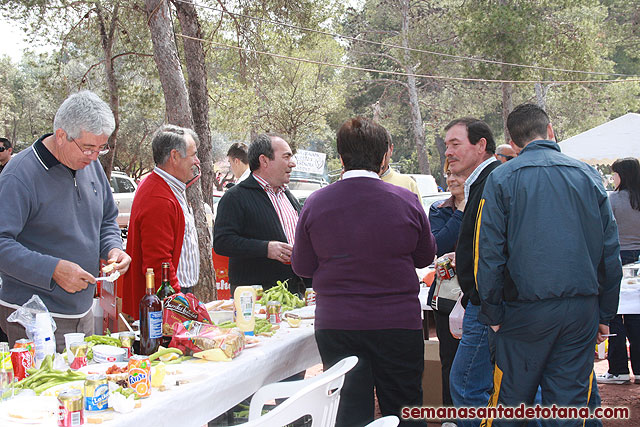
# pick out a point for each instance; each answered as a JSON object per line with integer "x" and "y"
{"x": 162, "y": 227}
{"x": 59, "y": 219}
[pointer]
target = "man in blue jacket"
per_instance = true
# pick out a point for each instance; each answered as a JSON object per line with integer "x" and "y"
{"x": 547, "y": 269}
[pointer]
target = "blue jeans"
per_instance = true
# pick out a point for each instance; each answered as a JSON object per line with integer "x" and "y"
{"x": 471, "y": 379}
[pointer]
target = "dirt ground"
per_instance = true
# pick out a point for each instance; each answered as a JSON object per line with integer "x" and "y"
{"x": 619, "y": 395}
{"x": 612, "y": 395}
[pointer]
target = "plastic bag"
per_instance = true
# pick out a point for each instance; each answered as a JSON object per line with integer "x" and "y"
{"x": 179, "y": 308}
{"x": 455, "y": 319}
{"x": 196, "y": 336}
{"x": 26, "y": 315}
{"x": 34, "y": 316}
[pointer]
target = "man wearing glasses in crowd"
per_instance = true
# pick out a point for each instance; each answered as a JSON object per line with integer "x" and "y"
{"x": 5, "y": 152}
{"x": 59, "y": 219}
{"x": 505, "y": 152}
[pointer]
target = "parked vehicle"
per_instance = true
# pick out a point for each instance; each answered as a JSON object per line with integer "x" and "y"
{"x": 302, "y": 188}
{"x": 124, "y": 189}
{"x": 426, "y": 183}
{"x": 430, "y": 199}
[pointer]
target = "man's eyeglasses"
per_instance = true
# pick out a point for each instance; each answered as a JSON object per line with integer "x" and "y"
{"x": 103, "y": 150}
{"x": 2, "y": 149}
{"x": 506, "y": 157}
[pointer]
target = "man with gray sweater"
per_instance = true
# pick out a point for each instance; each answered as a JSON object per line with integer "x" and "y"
{"x": 59, "y": 219}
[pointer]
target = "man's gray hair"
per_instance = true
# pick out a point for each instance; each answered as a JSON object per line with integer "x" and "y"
{"x": 170, "y": 137}
{"x": 84, "y": 111}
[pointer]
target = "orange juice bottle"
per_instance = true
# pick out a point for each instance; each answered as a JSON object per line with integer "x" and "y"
{"x": 139, "y": 373}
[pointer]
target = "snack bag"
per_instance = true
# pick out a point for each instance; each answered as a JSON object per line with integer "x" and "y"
{"x": 197, "y": 336}
{"x": 179, "y": 308}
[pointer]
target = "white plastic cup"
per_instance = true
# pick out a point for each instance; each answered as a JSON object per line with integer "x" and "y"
{"x": 70, "y": 338}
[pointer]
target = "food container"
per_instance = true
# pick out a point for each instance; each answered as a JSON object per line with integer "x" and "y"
{"x": 221, "y": 316}
{"x": 108, "y": 353}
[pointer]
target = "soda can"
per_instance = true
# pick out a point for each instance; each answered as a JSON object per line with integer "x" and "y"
{"x": 79, "y": 351}
{"x": 444, "y": 269}
{"x": 259, "y": 291}
{"x": 309, "y": 297}
{"x": 273, "y": 312}
{"x": 126, "y": 341}
{"x": 70, "y": 410}
{"x": 139, "y": 375}
{"x": 21, "y": 359}
{"x": 28, "y": 344}
{"x": 96, "y": 393}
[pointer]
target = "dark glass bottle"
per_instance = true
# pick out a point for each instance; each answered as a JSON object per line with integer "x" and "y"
{"x": 165, "y": 289}
{"x": 150, "y": 317}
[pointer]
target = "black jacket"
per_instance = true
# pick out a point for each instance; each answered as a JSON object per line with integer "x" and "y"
{"x": 245, "y": 223}
{"x": 466, "y": 244}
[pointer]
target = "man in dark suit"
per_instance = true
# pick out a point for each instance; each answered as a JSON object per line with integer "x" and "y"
{"x": 256, "y": 219}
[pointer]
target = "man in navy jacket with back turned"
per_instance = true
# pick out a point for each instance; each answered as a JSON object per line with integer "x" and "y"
{"x": 548, "y": 269}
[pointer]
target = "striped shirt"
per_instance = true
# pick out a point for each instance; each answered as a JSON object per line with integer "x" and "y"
{"x": 188, "y": 269}
{"x": 286, "y": 212}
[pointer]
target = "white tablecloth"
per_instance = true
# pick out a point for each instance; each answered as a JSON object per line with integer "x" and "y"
{"x": 629, "y": 297}
{"x": 215, "y": 387}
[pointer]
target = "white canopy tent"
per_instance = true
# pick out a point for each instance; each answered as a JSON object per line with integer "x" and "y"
{"x": 605, "y": 143}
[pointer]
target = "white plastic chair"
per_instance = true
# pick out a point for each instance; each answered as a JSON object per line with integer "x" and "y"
{"x": 318, "y": 396}
{"x": 388, "y": 421}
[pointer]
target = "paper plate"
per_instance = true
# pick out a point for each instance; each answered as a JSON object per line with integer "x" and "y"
{"x": 53, "y": 391}
{"x": 101, "y": 368}
{"x": 30, "y": 410}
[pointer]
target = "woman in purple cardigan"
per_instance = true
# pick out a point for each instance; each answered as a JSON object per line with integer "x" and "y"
{"x": 361, "y": 239}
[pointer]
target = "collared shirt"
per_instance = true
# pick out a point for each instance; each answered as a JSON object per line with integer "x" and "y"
{"x": 474, "y": 175}
{"x": 189, "y": 264}
{"x": 359, "y": 173}
{"x": 244, "y": 175}
{"x": 286, "y": 212}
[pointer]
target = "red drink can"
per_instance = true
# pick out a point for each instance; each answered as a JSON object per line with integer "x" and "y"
{"x": 309, "y": 297}
{"x": 21, "y": 360}
{"x": 28, "y": 344}
{"x": 70, "y": 408}
{"x": 444, "y": 269}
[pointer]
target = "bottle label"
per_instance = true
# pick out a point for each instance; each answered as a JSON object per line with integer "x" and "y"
{"x": 155, "y": 324}
{"x": 246, "y": 304}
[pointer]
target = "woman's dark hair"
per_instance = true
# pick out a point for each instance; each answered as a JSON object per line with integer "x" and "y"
{"x": 362, "y": 144}
{"x": 629, "y": 171}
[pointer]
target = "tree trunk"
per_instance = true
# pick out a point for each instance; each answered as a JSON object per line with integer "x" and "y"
{"x": 441, "y": 150}
{"x": 165, "y": 54}
{"x": 107, "y": 37}
{"x": 541, "y": 95}
{"x": 198, "y": 95}
{"x": 416, "y": 115}
{"x": 507, "y": 107}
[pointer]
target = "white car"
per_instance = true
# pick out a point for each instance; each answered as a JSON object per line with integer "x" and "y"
{"x": 124, "y": 189}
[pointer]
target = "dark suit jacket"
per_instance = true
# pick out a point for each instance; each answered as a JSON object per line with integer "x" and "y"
{"x": 245, "y": 223}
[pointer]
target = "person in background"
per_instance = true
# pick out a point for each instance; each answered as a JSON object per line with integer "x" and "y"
{"x": 445, "y": 218}
{"x": 59, "y": 220}
{"x": 470, "y": 147}
{"x": 6, "y": 149}
{"x": 363, "y": 269}
{"x": 548, "y": 270}
{"x": 162, "y": 227}
{"x": 238, "y": 158}
{"x": 625, "y": 202}
{"x": 256, "y": 219}
{"x": 505, "y": 152}
{"x": 392, "y": 177}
